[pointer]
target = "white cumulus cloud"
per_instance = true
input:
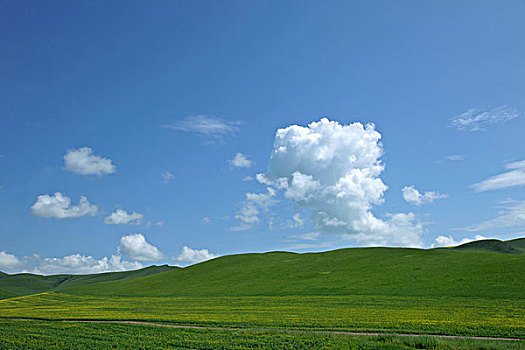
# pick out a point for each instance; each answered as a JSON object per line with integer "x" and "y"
{"x": 333, "y": 171}
{"x": 512, "y": 178}
{"x": 71, "y": 264}
{"x": 413, "y": 196}
{"x": 122, "y": 217}
{"x": 8, "y": 261}
{"x": 135, "y": 247}
{"x": 480, "y": 119}
{"x": 194, "y": 255}
{"x": 59, "y": 206}
{"x": 240, "y": 161}
{"x": 449, "y": 241}
{"x": 80, "y": 264}
{"x": 83, "y": 161}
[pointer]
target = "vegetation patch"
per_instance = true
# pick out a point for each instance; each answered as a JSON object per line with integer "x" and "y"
{"x": 17, "y": 335}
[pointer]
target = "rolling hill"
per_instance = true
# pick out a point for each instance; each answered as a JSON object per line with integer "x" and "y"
{"x": 352, "y": 271}
{"x": 447, "y": 291}
{"x": 26, "y": 283}
{"x": 515, "y": 246}
{"x": 518, "y": 243}
{"x": 481, "y": 268}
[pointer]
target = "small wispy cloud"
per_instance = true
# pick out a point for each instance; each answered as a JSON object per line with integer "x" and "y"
{"x": 83, "y": 161}
{"x": 480, "y": 119}
{"x": 310, "y": 236}
{"x": 511, "y": 215}
{"x": 514, "y": 177}
{"x": 122, "y": 217}
{"x": 296, "y": 221}
{"x": 413, "y": 196}
{"x": 248, "y": 215}
{"x": 167, "y": 176}
{"x": 158, "y": 223}
{"x": 240, "y": 161}
{"x": 206, "y": 126}
{"x": 455, "y": 157}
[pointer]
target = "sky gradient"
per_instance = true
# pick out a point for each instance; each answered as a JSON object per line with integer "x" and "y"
{"x": 136, "y": 133}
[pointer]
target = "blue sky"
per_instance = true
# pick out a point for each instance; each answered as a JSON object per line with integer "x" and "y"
{"x": 161, "y": 114}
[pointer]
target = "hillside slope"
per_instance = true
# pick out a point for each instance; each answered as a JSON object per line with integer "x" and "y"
{"x": 518, "y": 243}
{"x": 26, "y": 283}
{"x": 353, "y": 271}
{"x": 516, "y": 246}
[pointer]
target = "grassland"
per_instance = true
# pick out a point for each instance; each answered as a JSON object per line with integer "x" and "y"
{"x": 473, "y": 291}
{"x": 434, "y": 315}
{"x": 515, "y": 246}
{"x": 17, "y": 335}
{"x": 26, "y": 283}
{"x": 356, "y": 271}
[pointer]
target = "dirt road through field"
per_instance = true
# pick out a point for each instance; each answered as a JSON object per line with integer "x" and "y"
{"x": 277, "y": 329}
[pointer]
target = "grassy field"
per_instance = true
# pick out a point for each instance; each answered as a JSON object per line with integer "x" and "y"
{"x": 355, "y": 271}
{"x": 26, "y": 283}
{"x": 474, "y": 291}
{"x": 17, "y": 335}
{"x": 440, "y": 315}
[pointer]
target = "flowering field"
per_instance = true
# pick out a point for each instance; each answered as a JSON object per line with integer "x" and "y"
{"x": 446, "y": 315}
{"x": 17, "y": 335}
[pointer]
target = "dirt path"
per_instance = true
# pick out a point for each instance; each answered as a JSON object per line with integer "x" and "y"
{"x": 278, "y": 330}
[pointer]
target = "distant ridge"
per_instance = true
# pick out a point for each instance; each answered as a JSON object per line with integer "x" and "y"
{"x": 487, "y": 268}
{"x": 351, "y": 271}
{"x": 515, "y": 246}
{"x": 26, "y": 283}
{"x": 518, "y": 243}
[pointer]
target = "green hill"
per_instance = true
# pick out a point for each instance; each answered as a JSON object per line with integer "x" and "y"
{"x": 353, "y": 271}
{"x": 5, "y": 294}
{"x": 444, "y": 291}
{"x": 518, "y": 243}
{"x": 26, "y": 283}
{"x": 516, "y": 246}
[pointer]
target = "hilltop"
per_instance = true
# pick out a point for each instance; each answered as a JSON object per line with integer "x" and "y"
{"x": 351, "y": 271}
{"x": 487, "y": 268}
{"x": 515, "y": 246}
{"x": 26, "y": 283}
{"x": 438, "y": 291}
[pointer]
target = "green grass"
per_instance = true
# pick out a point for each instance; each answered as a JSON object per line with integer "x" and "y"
{"x": 518, "y": 243}
{"x": 355, "y": 271}
{"x": 516, "y": 246}
{"x": 17, "y": 335}
{"x": 26, "y": 283}
{"x": 5, "y": 294}
{"x": 438, "y": 291}
{"x": 430, "y": 315}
